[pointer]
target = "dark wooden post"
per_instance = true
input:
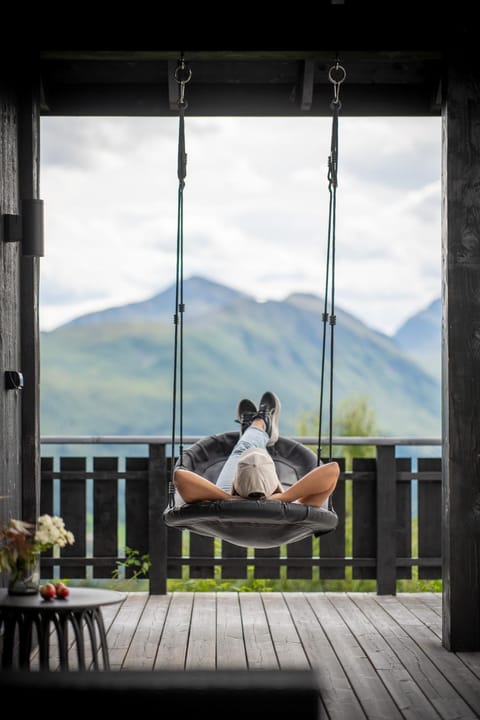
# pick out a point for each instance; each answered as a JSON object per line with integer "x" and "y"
{"x": 157, "y": 530}
{"x": 29, "y": 161}
{"x": 386, "y": 520}
{"x": 10, "y": 400}
{"x": 461, "y": 351}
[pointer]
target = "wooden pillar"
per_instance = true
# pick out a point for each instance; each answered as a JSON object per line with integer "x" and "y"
{"x": 461, "y": 352}
{"x": 10, "y": 400}
{"x": 29, "y": 178}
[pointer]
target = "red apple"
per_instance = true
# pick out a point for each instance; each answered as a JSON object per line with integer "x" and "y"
{"x": 61, "y": 590}
{"x": 47, "y": 591}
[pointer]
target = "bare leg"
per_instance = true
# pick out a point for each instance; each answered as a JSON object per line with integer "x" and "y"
{"x": 254, "y": 436}
{"x": 314, "y": 488}
{"x": 193, "y": 487}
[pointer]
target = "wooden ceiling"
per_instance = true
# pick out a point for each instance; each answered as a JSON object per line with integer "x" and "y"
{"x": 242, "y": 83}
{"x": 393, "y": 54}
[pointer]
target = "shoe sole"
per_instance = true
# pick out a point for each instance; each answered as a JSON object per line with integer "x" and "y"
{"x": 275, "y": 433}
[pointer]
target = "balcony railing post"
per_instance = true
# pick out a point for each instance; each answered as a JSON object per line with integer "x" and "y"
{"x": 386, "y": 520}
{"x": 157, "y": 531}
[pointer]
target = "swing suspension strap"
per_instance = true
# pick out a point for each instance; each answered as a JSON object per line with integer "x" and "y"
{"x": 336, "y": 76}
{"x": 182, "y": 76}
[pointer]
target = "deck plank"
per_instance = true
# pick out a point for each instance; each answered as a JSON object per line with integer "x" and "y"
{"x": 433, "y": 600}
{"x": 443, "y": 696}
{"x": 172, "y": 652}
{"x": 120, "y": 633}
{"x": 201, "y": 651}
{"x": 258, "y": 641}
{"x": 289, "y": 649}
{"x": 231, "y": 652}
{"x": 472, "y": 661}
{"x": 336, "y": 691}
{"x": 423, "y": 611}
{"x": 144, "y": 646}
{"x": 370, "y": 690}
{"x": 455, "y": 671}
{"x": 407, "y": 695}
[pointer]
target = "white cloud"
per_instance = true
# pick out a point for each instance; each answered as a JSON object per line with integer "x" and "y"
{"x": 255, "y": 211}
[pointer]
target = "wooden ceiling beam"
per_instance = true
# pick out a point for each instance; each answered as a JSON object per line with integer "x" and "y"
{"x": 227, "y": 100}
{"x": 307, "y": 84}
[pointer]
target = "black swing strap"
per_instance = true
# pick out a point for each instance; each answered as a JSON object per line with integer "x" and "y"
{"x": 336, "y": 76}
{"x": 182, "y": 76}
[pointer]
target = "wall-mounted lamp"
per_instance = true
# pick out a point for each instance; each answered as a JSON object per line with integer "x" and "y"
{"x": 26, "y": 228}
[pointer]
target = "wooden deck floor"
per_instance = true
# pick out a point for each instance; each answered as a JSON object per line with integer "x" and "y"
{"x": 375, "y": 656}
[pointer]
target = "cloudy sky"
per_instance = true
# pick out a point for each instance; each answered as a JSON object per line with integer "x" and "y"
{"x": 255, "y": 211}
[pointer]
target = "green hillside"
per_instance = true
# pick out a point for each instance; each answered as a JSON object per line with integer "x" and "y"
{"x": 111, "y": 372}
{"x": 420, "y": 338}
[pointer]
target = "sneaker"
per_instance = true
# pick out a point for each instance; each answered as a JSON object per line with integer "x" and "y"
{"x": 246, "y": 411}
{"x": 268, "y": 411}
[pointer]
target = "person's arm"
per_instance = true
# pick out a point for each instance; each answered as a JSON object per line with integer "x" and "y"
{"x": 313, "y": 488}
{"x": 193, "y": 487}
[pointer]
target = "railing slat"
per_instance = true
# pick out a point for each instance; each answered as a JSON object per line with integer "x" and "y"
{"x": 105, "y": 514}
{"x": 386, "y": 520}
{"x": 404, "y": 518}
{"x": 73, "y": 508}
{"x": 300, "y": 549}
{"x": 46, "y": 507}
{"x": 136, "y": 508}
{"x": 233, "y": 570}
{"x": 203, "y": 547}
{"x": 429, "y": 518}
{"x": 157, "y": 531}
{"x": 333, "y": 544}
{"x": 271, "y": 572}
{"x": 364, "y": 514}
{"x": 174, "y": 550}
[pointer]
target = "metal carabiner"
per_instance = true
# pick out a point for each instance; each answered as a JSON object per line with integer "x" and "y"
{"x": 336, "y": 75}
{"x": 182, "y": 81}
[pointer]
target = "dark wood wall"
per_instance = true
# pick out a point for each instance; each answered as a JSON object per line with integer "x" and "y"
{"x": 19, "y": 286}
{"x": 461, "y": 353}
{"x": 10, "y": 400}
{"x": 29, "y": 186}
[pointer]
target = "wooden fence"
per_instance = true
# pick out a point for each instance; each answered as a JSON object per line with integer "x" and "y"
{"x": 114, "y": 502}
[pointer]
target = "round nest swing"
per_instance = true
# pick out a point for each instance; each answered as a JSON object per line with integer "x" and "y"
{"x": 251, "y": 522}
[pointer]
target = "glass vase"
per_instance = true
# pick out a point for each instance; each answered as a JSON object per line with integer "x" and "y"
{"x": 25, "y": 578}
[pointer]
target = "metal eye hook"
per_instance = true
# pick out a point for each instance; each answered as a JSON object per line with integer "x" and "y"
{"x": 336, "y": 75}
{"x": 183, "y": 76}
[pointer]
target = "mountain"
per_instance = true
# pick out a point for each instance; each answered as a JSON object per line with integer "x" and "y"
{"x": 420, "y": 338}
{"x": 111, "y": 372}
{"x": 200, "y": 297}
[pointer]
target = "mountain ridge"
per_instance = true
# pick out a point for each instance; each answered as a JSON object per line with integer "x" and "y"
{"x": 111, "y": 372}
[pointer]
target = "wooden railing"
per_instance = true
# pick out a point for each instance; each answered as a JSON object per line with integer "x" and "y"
{"x": 114, "y": 502}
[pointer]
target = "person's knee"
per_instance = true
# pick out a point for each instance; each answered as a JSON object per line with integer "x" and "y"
{"x": 334, "y": 473}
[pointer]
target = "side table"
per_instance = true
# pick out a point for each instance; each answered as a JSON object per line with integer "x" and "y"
{"x": 80, "y": 612}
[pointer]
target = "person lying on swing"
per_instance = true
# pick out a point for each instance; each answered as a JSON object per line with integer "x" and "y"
{"x": 249, "y": 471}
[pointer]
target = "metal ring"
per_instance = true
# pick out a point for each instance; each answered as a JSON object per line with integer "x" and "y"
{"x": 342, "y": 74}
{"x": 189, "y": 74}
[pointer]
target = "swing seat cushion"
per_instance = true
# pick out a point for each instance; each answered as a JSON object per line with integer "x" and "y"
{"x": 245, "y": 522}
